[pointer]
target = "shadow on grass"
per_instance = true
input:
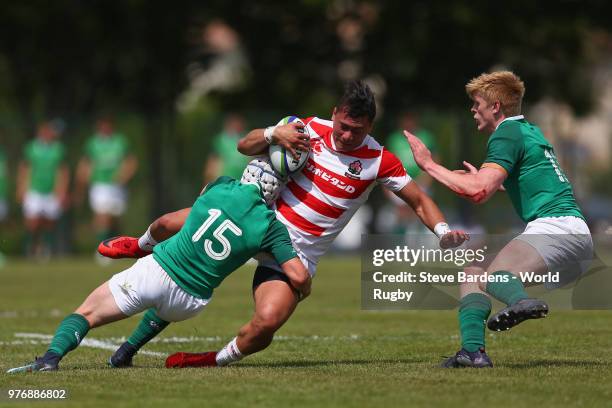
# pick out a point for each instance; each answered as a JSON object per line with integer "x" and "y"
{"x": 557, "y": 363}
{"x": 325, "y": 363}
{"x": 278, "y": 364}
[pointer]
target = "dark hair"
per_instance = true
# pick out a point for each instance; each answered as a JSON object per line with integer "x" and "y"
{"x": 358, "y": 99}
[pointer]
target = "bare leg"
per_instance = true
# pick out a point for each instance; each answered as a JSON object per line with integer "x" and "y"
{"x": 100, "y": 308}
{"x": 275, "y": 301}
{"x": 518, "y": 256}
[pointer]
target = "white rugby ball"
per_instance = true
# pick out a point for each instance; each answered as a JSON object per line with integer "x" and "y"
{"x": 282, "y": 160}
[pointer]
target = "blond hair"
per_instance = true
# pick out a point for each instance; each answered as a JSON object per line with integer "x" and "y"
{"x": 504, "y": 87}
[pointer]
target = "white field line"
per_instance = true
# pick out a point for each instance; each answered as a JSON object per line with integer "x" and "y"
{"x": 87, "y": 342}
{"x": 111, "y": 343}
{"x": 13, "y": 314}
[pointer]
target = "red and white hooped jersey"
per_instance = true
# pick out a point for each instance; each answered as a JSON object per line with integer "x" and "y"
{"x": 318, "y": 202}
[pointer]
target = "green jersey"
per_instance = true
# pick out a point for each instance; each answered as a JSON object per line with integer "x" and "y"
{"x": 44, "y": 160}
{"x": 106, "y": 154}
{"x": 3, "y": 175}
{"x": 232, "y": 161}
{"x": 228, "y": 224}
{"x": 397, "y": 143}
{"x": 537, "y": 185}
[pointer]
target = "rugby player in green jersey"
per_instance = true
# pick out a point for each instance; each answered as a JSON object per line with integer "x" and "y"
{"x": 556, "y": 238}
{"x": 106, "y": 167}
{"x": 42, "y": 187}
{"x": 228, "y": 224}
{"x": 224, "y": 158}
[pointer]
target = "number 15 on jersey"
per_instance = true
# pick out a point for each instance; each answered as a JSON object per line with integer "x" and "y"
{"x": 226, "y": 246}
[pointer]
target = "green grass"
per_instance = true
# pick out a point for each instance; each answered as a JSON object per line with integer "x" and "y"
{"x": 330, "y": 353}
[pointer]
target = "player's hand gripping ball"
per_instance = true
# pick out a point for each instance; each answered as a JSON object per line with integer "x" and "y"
{"x": 282, "y": 160}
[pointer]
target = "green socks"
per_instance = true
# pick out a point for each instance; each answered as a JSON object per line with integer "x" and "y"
{"x": 473, "y": 311}
{"x": 149, "y": 327}
{"x": 475, "y": 308}
{"x": 69, "y": 334}
{"x": 508, "y": 292}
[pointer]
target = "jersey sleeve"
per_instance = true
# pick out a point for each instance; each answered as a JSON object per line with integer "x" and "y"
{"x": 505, "y": 148}
{"x": 277, "y": 242}
{"x": 391, "y": 172}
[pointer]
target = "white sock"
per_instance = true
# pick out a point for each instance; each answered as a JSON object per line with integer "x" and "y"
{"x": 229, "y": 354}
{"x": 147, "y": 242}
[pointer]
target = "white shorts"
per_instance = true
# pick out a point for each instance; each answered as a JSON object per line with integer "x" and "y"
{"x": 564, "y": 243}
{"x": 3, "y": 209}
{"x": 41, "y": 205}
{"x": 146, "y": 285}
{"x": 266, "y": 260}
{"x": 107, "y": 199}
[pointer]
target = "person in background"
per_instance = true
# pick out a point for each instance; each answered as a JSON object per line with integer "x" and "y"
{"x": 225, "y": 159}
{"x": 42, "y": 187}
{"x": 406, "y": 220}
{"x": 106, "y": 167}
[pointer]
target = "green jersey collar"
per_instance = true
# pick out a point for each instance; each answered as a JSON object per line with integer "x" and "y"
{"x": 518, "y": 117}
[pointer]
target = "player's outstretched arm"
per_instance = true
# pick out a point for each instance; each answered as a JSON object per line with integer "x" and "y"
{"x": 298, "y": 276}
{"x": 429, "y": 213}
{"x": 475, "y": 185}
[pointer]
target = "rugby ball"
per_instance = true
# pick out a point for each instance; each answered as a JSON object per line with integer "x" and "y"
{"x": 281, "y": 159}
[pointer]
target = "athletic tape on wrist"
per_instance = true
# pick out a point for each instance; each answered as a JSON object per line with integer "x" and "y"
{"x": 441, "y": 229}
{"x": 269, "y": 134}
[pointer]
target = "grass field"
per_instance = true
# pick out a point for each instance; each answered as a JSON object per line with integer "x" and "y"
{"x": 330, "y": 353}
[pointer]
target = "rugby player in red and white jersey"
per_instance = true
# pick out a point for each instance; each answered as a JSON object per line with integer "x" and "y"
{"x": 344, "y": 165}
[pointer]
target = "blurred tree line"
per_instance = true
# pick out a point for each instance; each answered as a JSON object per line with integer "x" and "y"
{"x": 75, "y": 59}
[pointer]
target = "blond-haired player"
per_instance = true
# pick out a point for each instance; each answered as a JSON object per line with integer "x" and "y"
{"x": 556, "y": 238}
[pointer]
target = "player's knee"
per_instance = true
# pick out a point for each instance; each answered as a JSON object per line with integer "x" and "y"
{"x": 267, "y": 321}
{"x": 473, "y": 277}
